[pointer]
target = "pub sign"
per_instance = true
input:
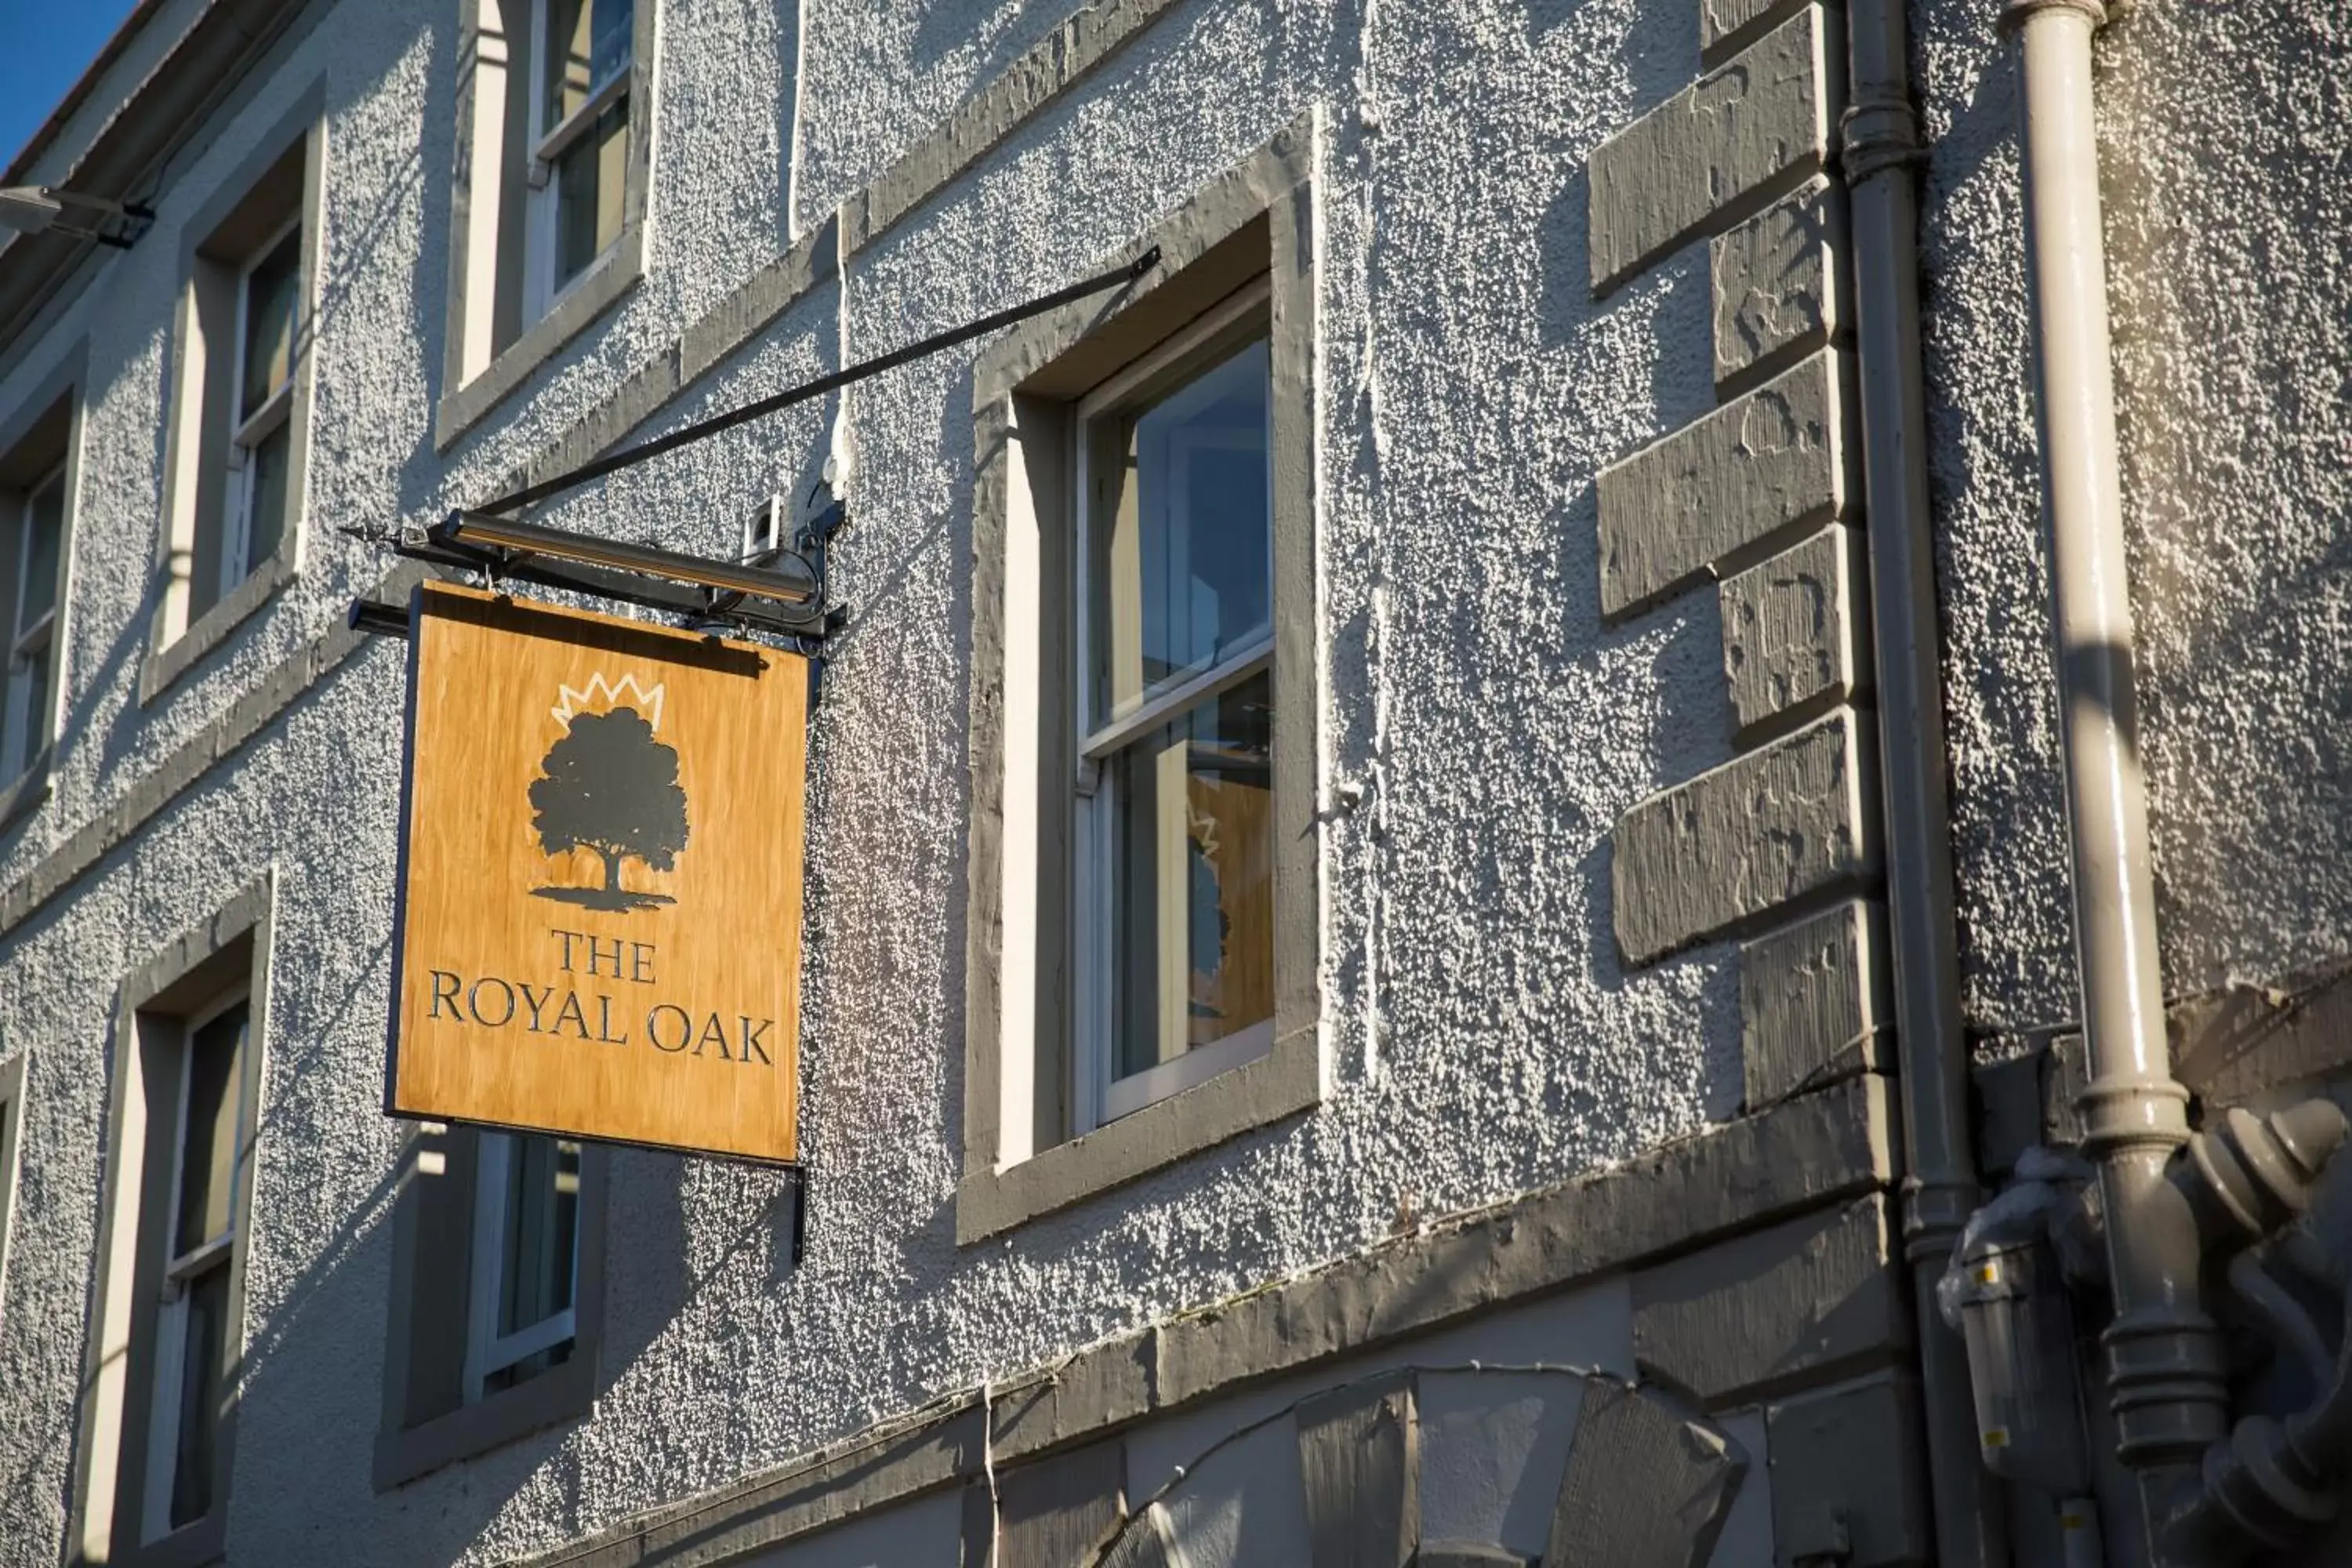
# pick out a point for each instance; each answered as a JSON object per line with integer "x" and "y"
{"x": 598, "y": 932}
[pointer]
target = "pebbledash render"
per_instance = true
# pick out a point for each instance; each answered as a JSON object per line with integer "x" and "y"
{"x": 1440, "y": 863}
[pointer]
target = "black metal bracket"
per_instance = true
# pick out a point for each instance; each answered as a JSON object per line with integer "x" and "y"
{"x": 778, "y": 593}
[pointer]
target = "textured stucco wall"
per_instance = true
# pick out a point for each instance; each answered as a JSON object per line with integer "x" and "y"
{"x": 1483, "y": 1037}
{"x": 2222, "y": 134}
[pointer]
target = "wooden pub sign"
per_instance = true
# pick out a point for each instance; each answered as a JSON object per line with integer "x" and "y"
{"x": 598, "y": 932}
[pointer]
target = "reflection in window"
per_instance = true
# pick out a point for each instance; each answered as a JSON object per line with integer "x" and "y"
{"x": 1176, "y": 836}
{"x": 526, "y": 1256}
{"x": 193, "y": 1328}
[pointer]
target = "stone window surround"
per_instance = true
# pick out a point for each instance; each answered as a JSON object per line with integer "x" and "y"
{"x": 231, "y": 947}
{"x": 12, "y": 1119}
{"x": 466, "y": 399}
{"x": 1255, "y": 216}
{"x": 174, "y": 646}
{"x": 65, "y": 383}
{"x": 445, "y": 1230}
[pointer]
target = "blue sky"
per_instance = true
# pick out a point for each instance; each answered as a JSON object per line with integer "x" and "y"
{"x": 49, "y": 45}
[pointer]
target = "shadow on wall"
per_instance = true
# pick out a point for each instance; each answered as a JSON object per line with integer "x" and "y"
{"x": 2223, "y": 139}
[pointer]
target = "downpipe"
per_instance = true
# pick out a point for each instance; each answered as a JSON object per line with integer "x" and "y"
{"x": 1879, "y": 150}
{"x": 2165, "y": 1374}
{"x": 2170, "y": 1205}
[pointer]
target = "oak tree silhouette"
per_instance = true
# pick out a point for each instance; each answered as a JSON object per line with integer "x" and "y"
{"x": 608, "y": 786}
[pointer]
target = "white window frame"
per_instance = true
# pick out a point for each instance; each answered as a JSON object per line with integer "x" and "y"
{"x": 1097, "y": 1097}
{"x": 542, "y": 217}
{"x": 489, "y": 1352}
{"x": 179, "y": 1268}
{"x": 247, "y": 432}
{"x": 25, "y": 710}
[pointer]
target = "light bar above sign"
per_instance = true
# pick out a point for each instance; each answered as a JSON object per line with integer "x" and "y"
{"x": 600, "y": 879}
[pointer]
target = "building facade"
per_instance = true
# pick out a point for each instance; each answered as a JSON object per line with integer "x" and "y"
{"x": 1449, "y": 836}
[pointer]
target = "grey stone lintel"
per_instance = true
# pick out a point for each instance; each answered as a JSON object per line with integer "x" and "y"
{"x": 1720, "y": 148}
{"x": 1804, "y": 1302}
{"x": 1779, "y": 286}
{"x": 1796, "y": 631}
{"x": 1817, "y": 1003}
{"x": 1721, "y": 492}
{"x": 1795, "y": 818}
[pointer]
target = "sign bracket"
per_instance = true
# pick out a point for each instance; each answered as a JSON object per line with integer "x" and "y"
{"x": 779, "y": 592}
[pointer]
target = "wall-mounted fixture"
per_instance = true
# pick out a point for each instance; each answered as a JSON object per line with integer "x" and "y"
{"x": 41, "y": 209}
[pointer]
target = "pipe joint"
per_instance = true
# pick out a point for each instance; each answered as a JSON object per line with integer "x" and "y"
{"x": 2167, "y": 1385}
{"x": 2120, "y": 1115}
{"x": 1878, "y": 132}
{"x": 2260, "y": 1484}
{"x": 2253, "y": 1175}
{"x": 2018, "y": 13}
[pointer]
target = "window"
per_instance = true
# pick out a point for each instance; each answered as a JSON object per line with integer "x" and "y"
{"x": 191, "y": 1347}
{"x": 498, "y": 1293}
{"x": 1176, "y": 709}
{"x": 268, "y": 299}
{"x": 1142, "y": 968}
{"x": 164, "y": 1366}
{"x": 238, "y": 439}
{"x": 37, "y": 481}
{"x": 32, "y": 629}
{"x": 580, "y": 137}
{"x": 549, "y": 190}
{"x": 526, "y": 1247}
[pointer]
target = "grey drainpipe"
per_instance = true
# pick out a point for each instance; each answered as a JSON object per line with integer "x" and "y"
{"x": 1879, "y": 146}
{"x": 2165, "y": 1374}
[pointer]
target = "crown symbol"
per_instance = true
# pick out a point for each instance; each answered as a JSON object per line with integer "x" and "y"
{"x": 603, "y": 695}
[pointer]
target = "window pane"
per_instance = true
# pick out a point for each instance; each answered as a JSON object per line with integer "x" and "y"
{"x": 542, "y": 1218}
{"x": 22, "y": 711}
{"x": 268, "y": 468}
{"x": 587, "y": 46}
{"x": 1182, "y": 560}
{"x": 45, "y": 528}
{"x": 208, "y": 1145}
{"x": 198, "y": 1407}
{"x": 272, "y": 291}
{"x": 1193, "y": 879}
{"x": 591, "y": 175}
